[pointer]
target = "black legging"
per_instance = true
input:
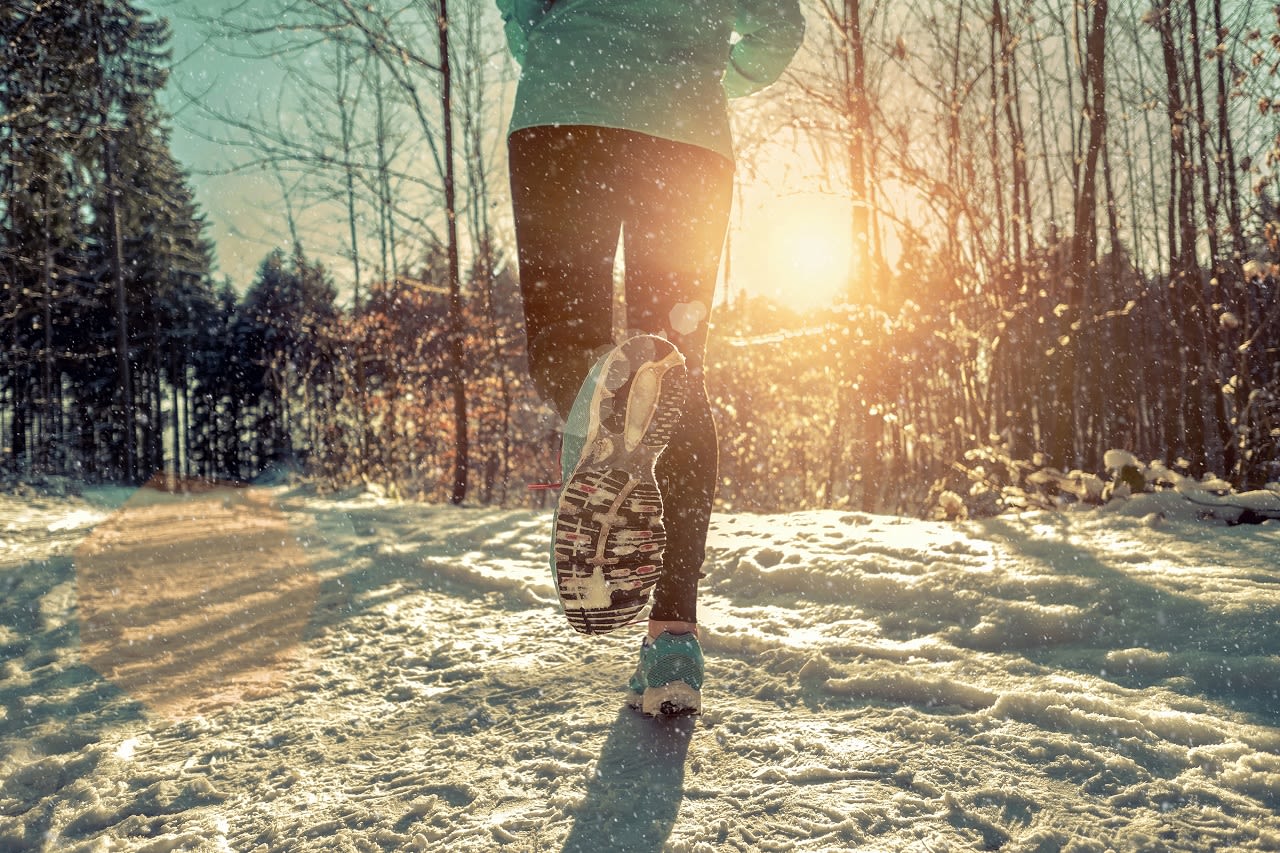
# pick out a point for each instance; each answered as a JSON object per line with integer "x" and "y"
{"x": 573, "y": 189}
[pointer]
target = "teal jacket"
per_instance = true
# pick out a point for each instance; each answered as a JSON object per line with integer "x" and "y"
{"x": 662, "y": 67}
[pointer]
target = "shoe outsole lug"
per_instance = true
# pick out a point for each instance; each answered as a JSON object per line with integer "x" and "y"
{"x": 609, "y": 534}
{"x": 674, "y": 699}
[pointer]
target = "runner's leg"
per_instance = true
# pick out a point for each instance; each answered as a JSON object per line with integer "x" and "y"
{"x": 567, "y": 222}
{"x": 677, "y": 201}
{"x": 572, "y": 187}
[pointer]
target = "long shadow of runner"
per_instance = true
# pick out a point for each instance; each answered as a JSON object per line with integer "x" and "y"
{"x": 635, "y": 796}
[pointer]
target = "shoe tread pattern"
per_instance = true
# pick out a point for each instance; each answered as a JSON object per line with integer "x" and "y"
{"x": 609, "y": 518}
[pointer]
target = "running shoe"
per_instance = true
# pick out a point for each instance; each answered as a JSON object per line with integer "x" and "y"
{"x": 668, "y": 680}
{"x": 608, "y": 538}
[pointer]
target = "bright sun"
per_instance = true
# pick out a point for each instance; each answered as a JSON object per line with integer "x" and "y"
{"x": 797, "y": 250}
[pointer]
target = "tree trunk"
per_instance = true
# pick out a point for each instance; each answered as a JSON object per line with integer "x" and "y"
{"x": 954, "y": 153}
{"x": 858, "y": 115}
{"x": 1080, "y": 349}
{"x": 1218, "y": 429}
{"x": 995, "y": 56}
{"x": 1019, "y": 195}
{"x": 461, "y": 447}
{"x": 47, "y": 410}
{"x": 1185, "y": 279}
{"x": 1227, "y": 160}
{"x": 124, "y": 383}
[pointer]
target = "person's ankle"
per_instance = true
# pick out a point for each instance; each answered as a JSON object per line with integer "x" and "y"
{"x": 659, "y": 627}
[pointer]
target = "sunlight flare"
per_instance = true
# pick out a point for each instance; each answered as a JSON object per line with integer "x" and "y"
{"x": 803, "y": 243}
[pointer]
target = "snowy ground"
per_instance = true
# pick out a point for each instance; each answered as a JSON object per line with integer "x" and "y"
{"x": 271, "y": 670}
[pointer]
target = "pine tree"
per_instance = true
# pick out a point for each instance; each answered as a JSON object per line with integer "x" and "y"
{"x": 277, "y": 335}
{"x": 101, "y": 247}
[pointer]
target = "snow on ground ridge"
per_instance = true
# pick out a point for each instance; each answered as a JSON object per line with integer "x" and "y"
{"x": 873, "y": 684}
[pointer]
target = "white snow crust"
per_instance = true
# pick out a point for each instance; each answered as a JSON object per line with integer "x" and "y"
{"x": 271, "y": 669}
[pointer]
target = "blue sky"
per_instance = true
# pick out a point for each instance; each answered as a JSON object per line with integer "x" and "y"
{"x": 242, "y": 209}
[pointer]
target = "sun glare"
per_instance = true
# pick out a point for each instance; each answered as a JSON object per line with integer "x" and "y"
{"x": 798, "y": 250}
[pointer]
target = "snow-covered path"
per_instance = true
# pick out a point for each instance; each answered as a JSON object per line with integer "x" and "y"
{"x": 271, "y": 670}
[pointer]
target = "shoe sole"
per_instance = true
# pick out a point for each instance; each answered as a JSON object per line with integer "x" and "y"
{"x": 609, "y": 533}
{"x": 673, "y": 699}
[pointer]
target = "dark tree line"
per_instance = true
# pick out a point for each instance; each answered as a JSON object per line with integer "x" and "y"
{"x": 102, "y": 255}
{"x": 119, "y": 357}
